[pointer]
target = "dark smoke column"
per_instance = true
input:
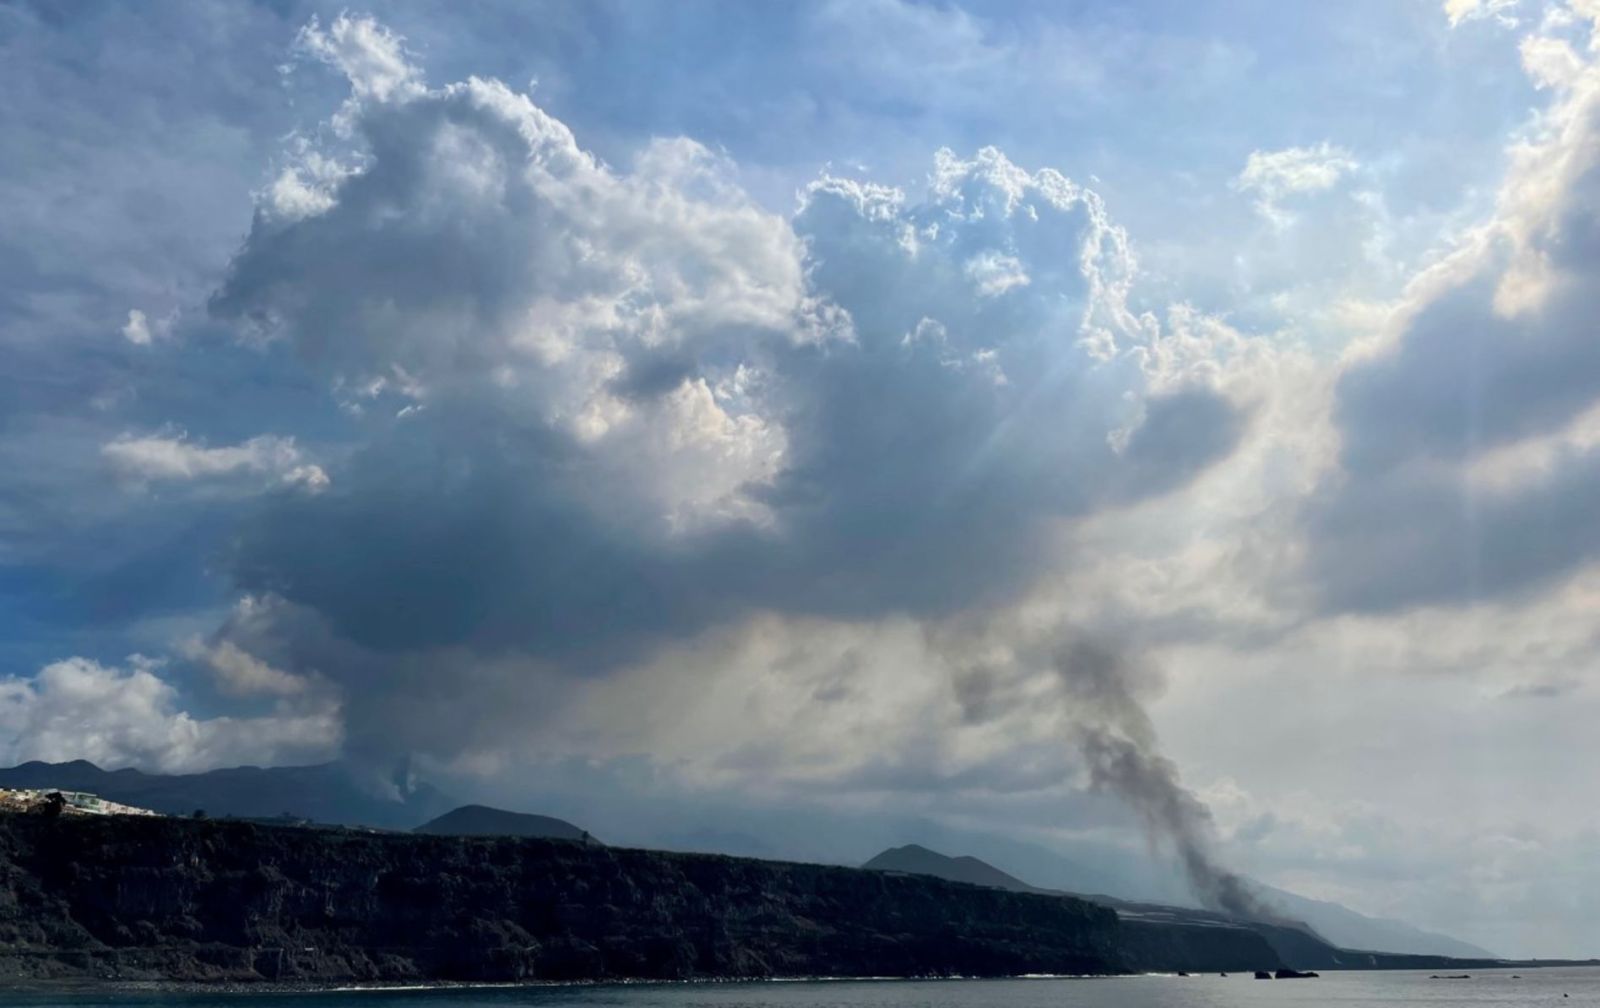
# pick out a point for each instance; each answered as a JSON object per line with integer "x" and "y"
{"x": 1119, "y": 745}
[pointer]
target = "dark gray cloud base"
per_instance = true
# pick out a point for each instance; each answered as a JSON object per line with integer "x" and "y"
{"x": 925, "y": 451}
{"x": 1406, "y": 521}
{"x": 598, "y": 411}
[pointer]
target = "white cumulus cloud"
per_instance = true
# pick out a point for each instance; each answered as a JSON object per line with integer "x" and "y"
{"x": 631, "y": 406}
{"x": 116, "y": 716}
{"x": 1274, "y": 176}
{"x": 137, "y": 329}
{"x": 1471, "y": 10}
{"x": 156, "y": 457}
{"x": 371, "y": 56}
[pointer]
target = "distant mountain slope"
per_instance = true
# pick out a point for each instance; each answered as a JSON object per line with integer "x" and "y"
{"x": 326, "y": 793}
{"x": 1340, "y": 925}
{"x": 1349, "y": 929}
{"x": 914, "y": 859}
{"x": 1081, "y": 865}
{"x": 481, "y": 820}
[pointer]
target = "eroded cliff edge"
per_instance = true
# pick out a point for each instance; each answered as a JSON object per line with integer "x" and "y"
{"x": 172, "y": 899}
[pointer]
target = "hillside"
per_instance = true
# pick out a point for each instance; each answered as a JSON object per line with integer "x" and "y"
{"x": 337, "y": 793}
{"x": 1155, "y": 937}
{"x": 1346, "y": 927}
{"x": 210, "y": 900}
{"x": 325, "y": 793}
{"x": 154, "y": 898}
{"x": 1318, "y": 949}
{"x": 918, "y": 860}
{"x": 481, "y": 820}
{"x": 1092, "y": 868}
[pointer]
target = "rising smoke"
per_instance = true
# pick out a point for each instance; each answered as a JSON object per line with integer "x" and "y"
{"x": 1119, "y": 745}
{"x": 596, "y": 411}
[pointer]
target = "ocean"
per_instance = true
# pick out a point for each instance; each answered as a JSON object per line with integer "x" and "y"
{"x": 1343, "y": 990}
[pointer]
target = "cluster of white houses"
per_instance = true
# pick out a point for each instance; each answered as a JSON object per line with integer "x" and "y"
{"x": 48, "y": 800}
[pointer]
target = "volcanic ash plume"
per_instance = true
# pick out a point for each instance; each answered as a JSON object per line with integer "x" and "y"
{"x": 1118, "y": 742}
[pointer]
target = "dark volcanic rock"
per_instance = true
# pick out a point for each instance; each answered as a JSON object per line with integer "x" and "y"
{"x": 177, "y": 899}
{"x": 1297, "y": 942}
{"x": 481, "y": 820}
{"x": 1156, "y": 939}
{"x": 1167, "y": 947}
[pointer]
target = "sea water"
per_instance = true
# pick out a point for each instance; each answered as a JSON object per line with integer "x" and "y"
{"x": 1551, "y": 987}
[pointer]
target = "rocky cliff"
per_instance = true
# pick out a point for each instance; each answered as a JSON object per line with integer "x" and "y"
{"x": 213, "y": 900}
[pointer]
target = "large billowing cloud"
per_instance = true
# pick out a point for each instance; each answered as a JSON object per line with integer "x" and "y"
{"x": 1470, "y": 466}
{"x": 601, "y": 409}
{"x": 78, "y": 708}
{"x": 606, "y": 413}
{"x": 521, "y": 457}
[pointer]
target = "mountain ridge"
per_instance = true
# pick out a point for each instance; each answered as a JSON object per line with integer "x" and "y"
{"x": 338, "y": 793}
{"x": 919, "y": 860}
{"x": 95, "y": 898}
{"x": 334, "y": 793}
{"x": 217, "y": 901}
{"x": 485, "y": 820}
{"x": 1349, "y": 930}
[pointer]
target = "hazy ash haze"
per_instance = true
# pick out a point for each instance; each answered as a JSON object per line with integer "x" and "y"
{"x": 1176, "y": 425}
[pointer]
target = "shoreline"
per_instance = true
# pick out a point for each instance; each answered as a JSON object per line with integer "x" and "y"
{"x": 267, "y": 987}
{"x": 271, "y": 987}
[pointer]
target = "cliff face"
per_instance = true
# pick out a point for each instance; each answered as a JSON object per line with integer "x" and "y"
{"x": 1154, "y": 938}
{"x": 1194, "y": 948}
{"x": 212, "y": 900}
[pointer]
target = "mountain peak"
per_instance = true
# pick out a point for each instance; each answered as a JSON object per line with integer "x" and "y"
{"x": 484, "y": 820}
{"x": 915, "y": 859}
{"x": 77, "y": 764}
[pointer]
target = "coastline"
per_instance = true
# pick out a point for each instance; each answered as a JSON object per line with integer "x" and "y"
{"x": 267, "y": 988}
{"x": 216, "y": 906}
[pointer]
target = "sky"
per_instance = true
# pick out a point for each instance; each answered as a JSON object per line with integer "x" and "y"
{"x": 832, "y": 412}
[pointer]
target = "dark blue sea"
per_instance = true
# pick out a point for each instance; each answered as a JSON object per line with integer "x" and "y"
{"x": 1350, "y": 990}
